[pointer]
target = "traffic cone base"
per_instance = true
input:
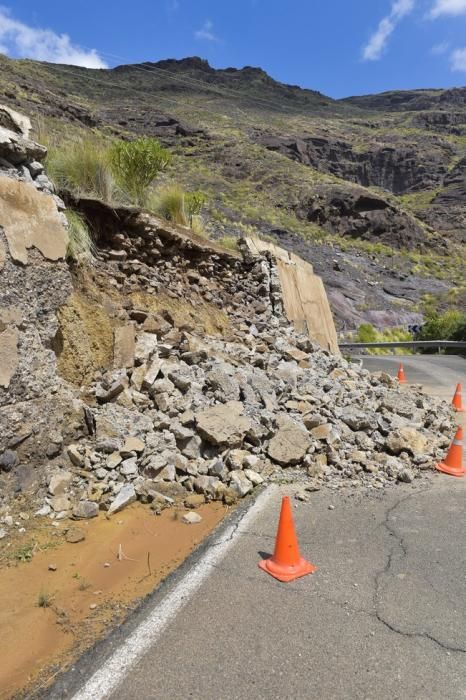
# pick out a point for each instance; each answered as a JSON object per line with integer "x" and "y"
{"x": 287, "y": 573}
{"x": 286, "y": 564}
{"x": 452, "y": 471}
{"x": 453, "y": 463}
{"x": 457, "y": 402}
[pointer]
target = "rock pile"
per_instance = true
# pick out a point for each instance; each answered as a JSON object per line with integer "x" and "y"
{"x": 212, "y": 419}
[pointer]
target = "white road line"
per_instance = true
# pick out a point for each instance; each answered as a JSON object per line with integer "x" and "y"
{"x": 109, "y": 676}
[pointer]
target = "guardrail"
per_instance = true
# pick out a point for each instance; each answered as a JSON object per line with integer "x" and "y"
{"x": 409, "y": 344}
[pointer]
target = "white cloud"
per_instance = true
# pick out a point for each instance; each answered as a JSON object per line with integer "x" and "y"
{"x": 458, "y": 60}
{"x": 453, "y": 8}
{"x": 440, "y": 49}
{"x": 206, "y": 32}
{"x": 377, "y": 43}
{"x": 19, "y": 39}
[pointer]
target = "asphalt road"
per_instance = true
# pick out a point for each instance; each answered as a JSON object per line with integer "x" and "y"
{"x": 438, "y": 374}
{"x": 384, "y": 616}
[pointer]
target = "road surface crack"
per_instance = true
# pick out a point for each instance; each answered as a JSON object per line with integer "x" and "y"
{"x": 398, "y": 546}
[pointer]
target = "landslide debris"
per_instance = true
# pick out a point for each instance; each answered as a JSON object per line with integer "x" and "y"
{"x": 204, "y": 388}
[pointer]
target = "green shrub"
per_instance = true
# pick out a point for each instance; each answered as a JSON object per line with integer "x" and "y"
{"x": 368, "y": 334}
{"x": 136, "y": 164}
{"x": 82, "y": 167}
{"x": 442, "y": 326}
{"x": 193, "y": 203}
{"x": 460, "y": 332}
{"x": 81, "y": 246}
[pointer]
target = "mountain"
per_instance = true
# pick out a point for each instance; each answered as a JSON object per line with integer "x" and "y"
{"x": 371, "y": 190}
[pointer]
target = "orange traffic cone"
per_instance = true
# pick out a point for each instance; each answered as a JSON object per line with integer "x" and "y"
{"x": 401, "y": 374}
{"x": 453, "y": 463}
{"x": 457, "y": 402}
{"x": 286, "y": 564}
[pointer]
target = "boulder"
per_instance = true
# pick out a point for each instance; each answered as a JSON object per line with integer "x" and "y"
{"x": 191, "y": 518}
{"x": 60, "y": 482}
{"x": 132, "y": 444}
{"x": 224, "y": 425}
{"x": 290, "y": 443}
{"x": 240, "y": 483}
{"x": 85, "y": 510}
{"x": 75, "y": 535}
{"x": 125, "y": 497}
{"x": 407, "y": 440}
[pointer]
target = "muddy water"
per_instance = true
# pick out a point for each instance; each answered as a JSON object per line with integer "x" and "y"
{"x": 95, "y": 584}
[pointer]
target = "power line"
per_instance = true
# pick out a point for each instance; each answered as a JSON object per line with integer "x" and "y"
{"x": 229, "y": 92}
{"x": 192, "y": 81}
{"x": 106, "y": 83}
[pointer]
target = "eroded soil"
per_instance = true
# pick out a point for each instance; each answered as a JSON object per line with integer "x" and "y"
{"x": 95, "y": 584}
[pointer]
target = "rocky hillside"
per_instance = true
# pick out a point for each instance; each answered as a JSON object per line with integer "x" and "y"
{"x": 371, "y": 190}
{"x": 166, "y": 370}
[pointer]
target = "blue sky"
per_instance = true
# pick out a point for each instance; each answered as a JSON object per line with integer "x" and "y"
{"x": 340, "y": 47}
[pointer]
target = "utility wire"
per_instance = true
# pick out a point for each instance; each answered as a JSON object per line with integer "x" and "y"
{"x": 192, "y": 81}
{"x": 65, "y": 70}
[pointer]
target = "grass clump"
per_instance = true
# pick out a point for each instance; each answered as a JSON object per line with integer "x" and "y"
{"x": 228, "y": 242}
{"x": 81, "y": 246}
{"x": 82, "y": 167}
{"x": 24, "y": 553}
{"x": 44, "y": 599}
{"x": 173, "y": 203}
{"x": 168, "y": 202}
{"x": 136, "y": 164}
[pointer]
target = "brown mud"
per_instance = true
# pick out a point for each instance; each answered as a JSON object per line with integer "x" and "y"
{"x": 95, "y": 584}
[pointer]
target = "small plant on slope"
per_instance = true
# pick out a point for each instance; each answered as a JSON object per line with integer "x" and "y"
{"x": 193, "y": 203}
{"x": 81, "y": 246}
{"x": 44, "y": 600}
{"x": 136, "y": 164}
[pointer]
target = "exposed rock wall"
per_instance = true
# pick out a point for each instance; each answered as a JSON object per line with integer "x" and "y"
{"x": 396, "y": 168}
{"x": 34, "y": 282}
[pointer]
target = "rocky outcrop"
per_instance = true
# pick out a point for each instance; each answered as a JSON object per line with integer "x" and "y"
{"x": 358, "y": 213}
{"x": 448, "y": 211}
{"x": 396, "y": 167}
{"x": 410, "y": 100}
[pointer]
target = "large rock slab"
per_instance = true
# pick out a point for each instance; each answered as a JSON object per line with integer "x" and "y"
{"x": 290, "y": 443}
{"x": 126, "y": 496}
{"x": 124, "y": 345}
{"x": 223, "y": 424}
{"x": 31, "y": 218}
